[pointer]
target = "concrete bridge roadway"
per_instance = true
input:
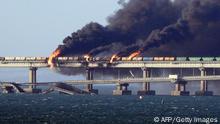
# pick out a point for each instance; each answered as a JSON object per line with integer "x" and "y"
{"x": 127, "y": 80}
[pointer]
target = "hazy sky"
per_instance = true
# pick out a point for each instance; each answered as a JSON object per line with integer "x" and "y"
{"x": 36, "y": 27}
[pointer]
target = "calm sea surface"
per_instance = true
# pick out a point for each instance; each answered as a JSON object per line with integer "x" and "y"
{"x": 102, "y": 109}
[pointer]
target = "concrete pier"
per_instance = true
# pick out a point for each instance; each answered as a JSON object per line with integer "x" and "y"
{"x": 180, "y": 89}
{"x": 203, "y": 85}
{"x": 122, "y": 89}
{"x": 146, "y": 85}
{"x": 89, "y": 76}
{"x": 32, "y": 76}
{"x": 33, "y": 80}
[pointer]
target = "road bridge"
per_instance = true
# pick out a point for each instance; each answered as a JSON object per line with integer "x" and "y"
{"x": 146, "y": 67}
{"x": 128, "y": 80}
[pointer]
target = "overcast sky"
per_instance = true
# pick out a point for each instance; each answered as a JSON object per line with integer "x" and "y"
{"x": 36, "y": 27}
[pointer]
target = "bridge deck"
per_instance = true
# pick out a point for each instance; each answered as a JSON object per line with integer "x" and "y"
{"x": 64, "y": 88}
{"x": 132, "y": 80}
{"x": 116, "y": 64}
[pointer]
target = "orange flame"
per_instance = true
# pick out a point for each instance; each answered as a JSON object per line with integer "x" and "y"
{"x": 134, "y": 54}
{"x": 113, "y": 58}
{"x": 87, "y": 57}
{"x": 55, "y": 54}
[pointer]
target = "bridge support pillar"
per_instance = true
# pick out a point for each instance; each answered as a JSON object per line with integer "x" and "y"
{"x": 146, "y": 85}
{"x": 180, "y": 89}
{"x": 122, "y": 89}
{"x": 33, "y": 80}
{"x": 89, "y": 76}
{"x": 203, "y": 86}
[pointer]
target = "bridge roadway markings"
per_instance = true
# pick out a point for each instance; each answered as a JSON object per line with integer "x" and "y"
{"x": 117, "y": 64}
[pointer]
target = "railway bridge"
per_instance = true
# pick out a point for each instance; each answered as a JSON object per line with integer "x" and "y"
{"x": 122, "y": 84}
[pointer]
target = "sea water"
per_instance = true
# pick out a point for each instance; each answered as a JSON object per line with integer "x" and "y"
{"x": 102, "y": 109}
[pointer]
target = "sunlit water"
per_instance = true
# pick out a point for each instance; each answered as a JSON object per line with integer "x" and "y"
{"x": 102, "y": 109}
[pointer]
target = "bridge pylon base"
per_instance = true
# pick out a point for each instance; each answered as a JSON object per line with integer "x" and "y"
{"x": 145, "y": 92}
{"x": 121, "y": 92}
{"x": 204, "y": 93}
{"x": 180, "y": 93}
{"x": 122, "y": 89}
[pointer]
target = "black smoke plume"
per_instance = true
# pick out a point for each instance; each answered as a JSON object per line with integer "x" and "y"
{"x": 131, "y": 24}
{"x": 156, "y": 27}
{"x": 195, "y": 33}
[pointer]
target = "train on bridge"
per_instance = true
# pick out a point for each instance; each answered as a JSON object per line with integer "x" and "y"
{"x": 146, "y": 64}
{"x": 106, "y": 59}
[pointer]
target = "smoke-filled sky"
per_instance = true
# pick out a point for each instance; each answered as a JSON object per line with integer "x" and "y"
{"x": 36, "y": 27}
{"x": 154, "y": 27}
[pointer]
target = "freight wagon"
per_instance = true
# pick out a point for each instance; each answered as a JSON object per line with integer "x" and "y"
{"x": 107, "y": 59}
